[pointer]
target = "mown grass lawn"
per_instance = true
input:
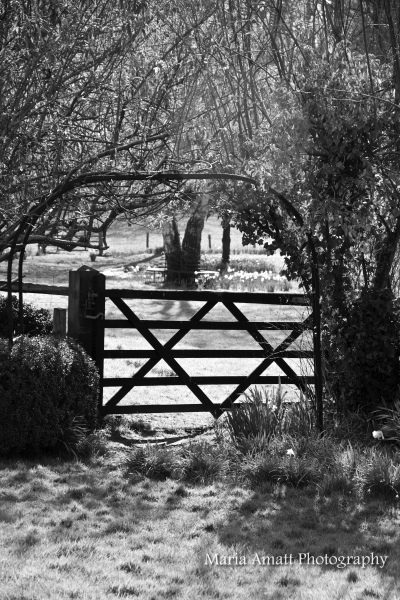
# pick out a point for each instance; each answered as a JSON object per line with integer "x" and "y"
{"x": 72, "y": 529}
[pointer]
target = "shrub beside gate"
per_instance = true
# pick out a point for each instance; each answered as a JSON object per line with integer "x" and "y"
{"x": 45, "y": 383}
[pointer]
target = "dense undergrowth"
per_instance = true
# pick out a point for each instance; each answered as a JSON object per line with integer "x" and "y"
{"x": 268, "y": 442}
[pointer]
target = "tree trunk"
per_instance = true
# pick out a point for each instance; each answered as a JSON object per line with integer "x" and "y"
{"x": 191, "y": 245}
{"x": 101, "y": 242}
{"x": 172, "y": 248}
{"x": 385, "y": 258}
{"x": 226, "y": 247}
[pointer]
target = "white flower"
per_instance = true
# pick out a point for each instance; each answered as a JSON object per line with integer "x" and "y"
{"x": 378, "y": 435}
{"x": 290, "y": 452}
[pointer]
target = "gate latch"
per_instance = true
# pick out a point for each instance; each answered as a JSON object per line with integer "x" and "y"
{"x": 89, "y": 307}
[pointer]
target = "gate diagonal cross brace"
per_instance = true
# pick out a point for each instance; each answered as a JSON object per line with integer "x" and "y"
{"x": 153, "y": 361}
{"x": 266, "y": 346}
{"x": 163, "y": 353}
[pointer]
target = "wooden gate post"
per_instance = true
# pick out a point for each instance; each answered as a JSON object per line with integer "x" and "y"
{"x": 60, "y": 321}
{"x": 86, "y": 308}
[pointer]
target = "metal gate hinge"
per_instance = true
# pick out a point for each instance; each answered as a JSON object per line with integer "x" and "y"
{"x": 89, "y": 306}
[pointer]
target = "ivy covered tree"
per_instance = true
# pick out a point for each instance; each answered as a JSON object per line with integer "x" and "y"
{"x": 305, "y": 99}
{"x": 338, "y": 139}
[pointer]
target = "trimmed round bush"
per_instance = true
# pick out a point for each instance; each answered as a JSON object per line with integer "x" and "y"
{"x": 37, "y": 321}
{"x": 45, "y": 383}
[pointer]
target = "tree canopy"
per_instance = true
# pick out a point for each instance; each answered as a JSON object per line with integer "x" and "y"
{"x": 90, "y": 96}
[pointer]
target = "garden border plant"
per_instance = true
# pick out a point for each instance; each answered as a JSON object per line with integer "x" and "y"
{"x": 37, "y": 321}
{"x": 46, "y": 383}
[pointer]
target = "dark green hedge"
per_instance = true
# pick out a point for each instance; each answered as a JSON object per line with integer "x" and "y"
{"x": 37, "y": 321}
{"x": 363, "y": 352}
{"x": 45, "y": 382}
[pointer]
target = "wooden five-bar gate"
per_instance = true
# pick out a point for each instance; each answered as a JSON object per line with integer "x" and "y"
{"x": 86, "y": 322}
{"x": 87, "y": 295}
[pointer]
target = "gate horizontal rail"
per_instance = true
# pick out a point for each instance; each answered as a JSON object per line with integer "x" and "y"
{"x": 210, "y": 354}
{"x": 36, "y": 288}
{"x": 289, "y": 298}
{"x": 203, "y": 380}
{"x": 163, "y": 408}
{"x": 211, "y": 325}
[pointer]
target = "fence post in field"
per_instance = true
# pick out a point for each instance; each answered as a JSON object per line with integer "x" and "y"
{"x": 209, "y": 241}
{"x": 60, "y": 321}
{"x": 147, "y": 240}
{"x": 86, "y": 308}
{"x": 101, "y": 243}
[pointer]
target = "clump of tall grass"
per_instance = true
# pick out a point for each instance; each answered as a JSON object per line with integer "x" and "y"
{"x": 378, "y": 475}
{"x": 152, "y": 461}
{"x": 289, "y": 470}
{"x": 265, "y": 414}
{"x": 331, "y": 466}
{"x": 201, "y": 462}
{"x": 117, "y": 425}
{"x": 335, "y": 482}
{"x": 196, "y": 462}
{"x": 77, "y": 441}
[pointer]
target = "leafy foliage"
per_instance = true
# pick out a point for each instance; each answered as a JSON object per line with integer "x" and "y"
{"x": 45, "y": 383}
{"x": 362, "y": 352}
{"x": 388, "y": 419}
{"x": 343, "y": 190}
{"x": 36, "y": 320}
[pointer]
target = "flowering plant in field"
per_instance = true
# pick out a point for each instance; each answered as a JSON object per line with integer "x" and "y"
{"x": 242, "y": 264}
{"x": 240, "y": 279}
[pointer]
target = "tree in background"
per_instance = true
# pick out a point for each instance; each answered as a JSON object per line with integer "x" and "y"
{"x": 183, "y": 258}
{"x": 89, "y": 93}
